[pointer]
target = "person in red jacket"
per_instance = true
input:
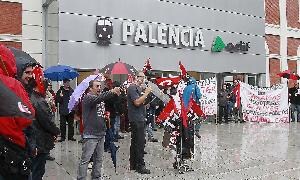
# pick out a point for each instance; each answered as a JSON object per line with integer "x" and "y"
{"x": 12, "y": 136}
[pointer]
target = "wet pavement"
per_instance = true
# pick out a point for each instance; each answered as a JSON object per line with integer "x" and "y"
{"x": 227, "y": 151}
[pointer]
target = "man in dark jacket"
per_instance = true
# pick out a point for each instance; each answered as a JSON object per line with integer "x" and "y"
{"x": 93, "y": 115}
{"x": 63, "y": 97}
{"x": 45, "y": 130}
{"x": 294, "y": 98}
{"x": 223, "y": 97}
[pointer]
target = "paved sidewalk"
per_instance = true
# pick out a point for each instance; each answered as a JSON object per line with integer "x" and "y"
{"x": 227, "y": 151}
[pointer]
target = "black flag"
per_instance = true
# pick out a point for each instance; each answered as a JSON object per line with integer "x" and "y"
{"x": 12, "y": 105}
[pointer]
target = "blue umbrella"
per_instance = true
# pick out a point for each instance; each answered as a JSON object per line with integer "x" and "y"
{"x": 60, "y": 72}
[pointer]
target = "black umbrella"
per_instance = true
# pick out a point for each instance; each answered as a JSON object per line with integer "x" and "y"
{"x": 118, "y": 68}
{"x": 13, "y": 105}
{"x": 22, "y": 58}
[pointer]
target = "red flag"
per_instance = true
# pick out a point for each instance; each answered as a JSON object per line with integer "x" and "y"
{"x": 183, "y": 113}
{"x": 168, "y": 81}
{"x": 147, "y": 66}
{"x": 197, "y": 109}
{"x": 166, "y": 112}
{"x": 236, "y": 91}
{"x": 38, "y": 76}
{"x": 183, "y": 70}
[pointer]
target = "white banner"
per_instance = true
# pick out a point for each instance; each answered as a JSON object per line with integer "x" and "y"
{"x": 267, "y": 104}
{"x": 209, "y": 95}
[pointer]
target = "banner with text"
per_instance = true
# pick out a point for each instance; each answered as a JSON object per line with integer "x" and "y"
{"x": 266, "y": 104}
{"x": 209, "y": 95}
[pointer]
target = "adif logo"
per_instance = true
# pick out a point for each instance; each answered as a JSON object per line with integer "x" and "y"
{"x": 104, "y": 31}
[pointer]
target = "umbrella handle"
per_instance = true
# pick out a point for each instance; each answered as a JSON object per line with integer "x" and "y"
{"x": 3, "y": 65}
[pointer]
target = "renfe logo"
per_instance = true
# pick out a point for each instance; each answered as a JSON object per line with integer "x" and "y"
{"x": 166, "y": 35}
{"x": 218, "y": 45}
{"x": 104, "y": 31}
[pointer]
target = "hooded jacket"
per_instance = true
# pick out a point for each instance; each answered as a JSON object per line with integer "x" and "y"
{"x": 11, "y": 128}
{"x": 45, "y": 129}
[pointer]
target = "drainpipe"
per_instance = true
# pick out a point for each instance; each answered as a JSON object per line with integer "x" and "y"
{"x": 46, "y": 4}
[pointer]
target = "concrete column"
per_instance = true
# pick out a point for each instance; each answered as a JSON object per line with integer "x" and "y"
{"x": 283, "y": 38}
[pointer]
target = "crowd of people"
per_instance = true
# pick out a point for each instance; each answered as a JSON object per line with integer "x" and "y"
{"x": 227, "y": 102}
{"x": 104, "y": 110}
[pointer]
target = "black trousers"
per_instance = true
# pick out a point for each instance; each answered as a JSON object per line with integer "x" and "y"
{"x": 137, "y": 146}
{"x": 63, "y": 120}
{"x": 223, "y": 111}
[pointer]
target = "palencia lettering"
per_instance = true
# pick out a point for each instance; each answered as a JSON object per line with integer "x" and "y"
{"x": 166, "y": 35}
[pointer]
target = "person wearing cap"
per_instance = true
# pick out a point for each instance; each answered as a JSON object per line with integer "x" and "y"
{"x": 62, "y": 98}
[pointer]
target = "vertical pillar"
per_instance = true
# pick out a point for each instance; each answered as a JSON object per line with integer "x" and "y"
{"x": 283, "y": 38}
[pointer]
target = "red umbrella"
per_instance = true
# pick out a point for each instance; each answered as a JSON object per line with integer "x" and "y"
{"x": 118, "y": 68}
{"x": 289, "y": 75}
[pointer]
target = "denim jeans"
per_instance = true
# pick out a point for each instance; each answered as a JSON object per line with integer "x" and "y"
{"x": 149, "y": 131}
{"x": 95, "y": 148}
{"x": 38, "y": 166}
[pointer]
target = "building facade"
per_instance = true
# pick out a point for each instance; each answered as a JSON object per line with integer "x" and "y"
{"x": 282, "y": 37}
{"x": 64, "y": 32}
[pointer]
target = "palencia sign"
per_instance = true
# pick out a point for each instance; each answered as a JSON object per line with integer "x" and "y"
{"x": 218, "y": 45}
{"x": 165, "y": 35}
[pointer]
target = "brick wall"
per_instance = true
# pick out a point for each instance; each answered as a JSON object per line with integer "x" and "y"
{"x": 10, "y": 18}
{"x": 12, "y": 44}
{"x": 272, "y": 11}
{"x": 274, "y": 67}
{"x": 293, "y": 45}
{"x": 273, "y": 44}
{"x": 292, "y": 9}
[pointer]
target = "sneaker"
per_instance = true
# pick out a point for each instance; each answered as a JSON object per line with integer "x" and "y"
{"x": 152, "y": 140}
{"x": 90, "y": 166}
{"x": 120, "y": 137}
{"x": 143, "y": 170}
{"x": 50, "y": 158}
{"x": 61, "y": 140}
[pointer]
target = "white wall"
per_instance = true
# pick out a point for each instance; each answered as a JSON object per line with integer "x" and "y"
{"x": 32, "y": 30}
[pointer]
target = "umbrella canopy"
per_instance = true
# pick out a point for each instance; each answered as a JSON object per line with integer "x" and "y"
{"x": 289, "y": 75}
{"x": 60, "y": 72}
{"x": 118, "y": 68}
{"x": 22, "y": 56}
{"x": 79, "y": 90}
{"x": 22, "y": 60}
{"x": 13, "y": 105}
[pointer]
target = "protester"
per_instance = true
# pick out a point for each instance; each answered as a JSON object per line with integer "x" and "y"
{"x": 223, "y": 96}
{"x": 62, "y": 98}
{"x": 237, "y": 108}
{"x": 294, "y": 98}
{"x": 50, "y": 98}
{"x": 93, "y": 113}
{"x": 45, "y": 129}
{"x": 14, "y": 149}
{"x": 137, "y": 115}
